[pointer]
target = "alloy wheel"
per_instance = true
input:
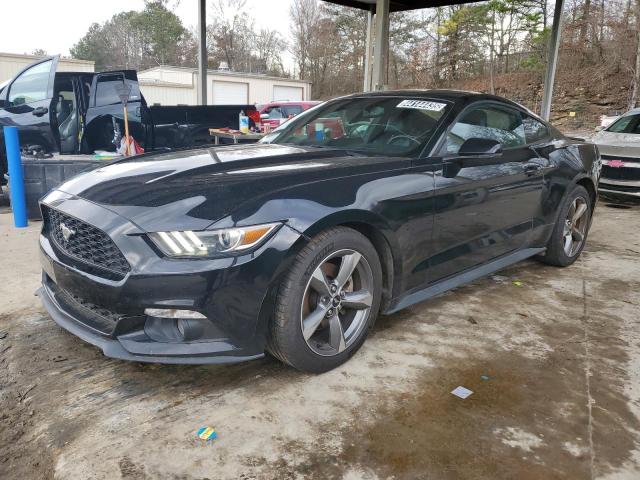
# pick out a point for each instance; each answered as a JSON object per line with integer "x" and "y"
{"x": 337, "y": 302}
{"x": 575, "y": 226}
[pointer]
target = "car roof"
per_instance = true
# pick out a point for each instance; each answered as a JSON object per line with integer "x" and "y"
{"x": 462, "y": 96}
{"x": 292, "y": 102}
{"x": 445, "y": 94}
{"x": 633, "y": 111}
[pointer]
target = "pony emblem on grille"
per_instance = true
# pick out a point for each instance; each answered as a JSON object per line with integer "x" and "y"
{"x": 67, "y": 233}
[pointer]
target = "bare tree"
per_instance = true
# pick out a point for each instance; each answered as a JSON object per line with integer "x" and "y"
{"x": 304, "y": 15}
{"x": 233, "y": 39}
{"x": 228, "y": 32}
{"x": 635, "y": 85}
{"x": 269, "y": 45}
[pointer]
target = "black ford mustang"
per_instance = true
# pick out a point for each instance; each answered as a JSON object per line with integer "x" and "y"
{"x": 361, "y": 205}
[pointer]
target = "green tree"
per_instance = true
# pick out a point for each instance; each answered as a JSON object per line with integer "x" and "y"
{"x": 139, "y": 40}
{"x": 92, "y": 47}
{"x": 161, "y": 31}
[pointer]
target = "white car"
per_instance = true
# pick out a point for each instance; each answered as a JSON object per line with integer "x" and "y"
{"x": 619, "y": 145}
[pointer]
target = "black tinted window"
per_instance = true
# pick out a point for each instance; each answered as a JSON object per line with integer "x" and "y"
{"x": 106, "y": 93}
{"x": 534, "y": 130}
{"x": 487, "y": 122}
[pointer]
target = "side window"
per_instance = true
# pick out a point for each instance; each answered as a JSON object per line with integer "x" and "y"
{"x": 275, "y": 113}
{"x": 292, "y": 110}
{"x": 494, "y": 123}
{"x": 534, "y": 130}
{"x": 106, "y": 93}
{"x": 31, "y": 86}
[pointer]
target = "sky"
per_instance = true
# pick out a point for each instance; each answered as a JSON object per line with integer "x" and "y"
{"x": 56, "y": 25}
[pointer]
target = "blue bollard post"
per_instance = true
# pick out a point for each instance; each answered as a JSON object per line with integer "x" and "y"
{"x": 16, "y": 178}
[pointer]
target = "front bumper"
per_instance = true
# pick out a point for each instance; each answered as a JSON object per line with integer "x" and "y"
{"x": 234, "y": 294}
{"x": 137, "y": 345}
{"x": 620, "y": 175}
{"x": 620, "y": 187}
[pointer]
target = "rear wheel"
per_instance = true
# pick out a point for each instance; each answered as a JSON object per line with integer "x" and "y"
{"x": 570, "y": 232}
{"x": 328, "y": 301}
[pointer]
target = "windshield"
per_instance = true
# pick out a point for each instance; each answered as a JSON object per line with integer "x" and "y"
{"x": 626, "y": 124}
{"x": 385, "y": 125}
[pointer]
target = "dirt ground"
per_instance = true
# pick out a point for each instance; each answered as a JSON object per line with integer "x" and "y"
{"x": 554, "y": 364}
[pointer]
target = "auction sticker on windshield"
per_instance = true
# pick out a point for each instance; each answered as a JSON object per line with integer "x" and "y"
{"x": 422, "y": 105}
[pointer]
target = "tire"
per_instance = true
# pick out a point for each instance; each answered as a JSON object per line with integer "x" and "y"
{"x": 303, "y": 332}
{"x": 557, "y": 254}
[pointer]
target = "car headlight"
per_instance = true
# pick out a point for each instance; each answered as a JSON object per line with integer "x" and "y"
{"x": 209, "y": 243}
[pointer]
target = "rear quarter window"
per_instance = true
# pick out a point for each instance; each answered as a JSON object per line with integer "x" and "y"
{"x": 106, "y": 93}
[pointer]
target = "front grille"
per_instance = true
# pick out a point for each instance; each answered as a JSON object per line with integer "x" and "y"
{"x": 621, "y": 173}
{"x": 618, "y": 157}
{"x": 88, "y": 244}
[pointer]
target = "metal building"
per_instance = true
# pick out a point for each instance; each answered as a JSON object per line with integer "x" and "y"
{"x": 168, "y": 85}
{"x": 11, "y": 64}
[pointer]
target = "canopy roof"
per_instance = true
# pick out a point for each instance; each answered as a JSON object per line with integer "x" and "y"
{"x": 399, "y": 5}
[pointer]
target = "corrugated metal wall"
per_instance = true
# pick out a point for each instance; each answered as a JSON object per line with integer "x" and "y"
{"x": 173, "y": 86}
{"x": 11, "y": 64}
{"x": 168, "y": 94}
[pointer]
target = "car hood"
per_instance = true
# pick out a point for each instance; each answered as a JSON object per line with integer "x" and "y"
{"x": 192, "y": 189}
{"x": 623, "y": 144}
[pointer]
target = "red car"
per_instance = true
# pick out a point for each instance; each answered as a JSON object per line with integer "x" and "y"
{"x": 275, "y": 113}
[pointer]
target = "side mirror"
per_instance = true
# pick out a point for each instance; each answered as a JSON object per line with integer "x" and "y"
{"x": 264, "y": 116}
{"x": 480, "y": 146}
{"x": 599, "y": 128}
{"x": 474, "y": 152}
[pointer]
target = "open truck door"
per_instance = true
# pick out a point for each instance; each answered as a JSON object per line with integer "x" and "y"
{"x": 105, "y": 113}
{"x": 27, "y": 102}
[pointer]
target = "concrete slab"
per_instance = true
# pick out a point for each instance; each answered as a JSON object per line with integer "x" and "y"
{"x": 554, "y": 364}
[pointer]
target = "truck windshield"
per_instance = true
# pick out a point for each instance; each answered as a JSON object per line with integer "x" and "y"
{"x": 626, "y": 124}
{"x": 386, "y": 125}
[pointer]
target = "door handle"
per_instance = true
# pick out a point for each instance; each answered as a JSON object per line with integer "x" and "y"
{"x": 532, "y": 168}
{"x": 40, "y": 111}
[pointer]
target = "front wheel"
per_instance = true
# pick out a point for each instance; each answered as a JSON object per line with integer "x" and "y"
{"x": 327, "y": 302}
{"x": 570, "y": 232}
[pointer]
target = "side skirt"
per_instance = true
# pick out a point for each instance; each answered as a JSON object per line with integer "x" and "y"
{"x": 460, "y": 279}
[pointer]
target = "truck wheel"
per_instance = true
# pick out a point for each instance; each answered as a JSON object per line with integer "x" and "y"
{"x": 328, "y": 301}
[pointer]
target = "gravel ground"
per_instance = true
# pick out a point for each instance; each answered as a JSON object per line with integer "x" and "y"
{"x": 554, "y": 364}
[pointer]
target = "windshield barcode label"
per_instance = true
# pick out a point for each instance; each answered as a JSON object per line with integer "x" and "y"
{"x": 422, "y": 105}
